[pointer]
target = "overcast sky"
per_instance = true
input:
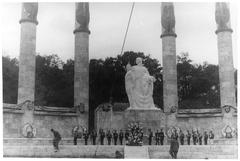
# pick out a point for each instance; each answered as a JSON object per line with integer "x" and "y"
{"x": 195, "y": 29}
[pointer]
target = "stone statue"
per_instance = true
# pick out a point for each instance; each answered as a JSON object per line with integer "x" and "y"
{"x": 222, "y": 15}
{"x": 139, "y": 86}
{"x": 167, "y": 18}
{"x": 30, "y": 11}
{"x": 82, "y": 16}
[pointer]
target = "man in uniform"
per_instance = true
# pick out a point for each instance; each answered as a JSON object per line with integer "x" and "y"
{"x": 157, "y": 137}
{"x": 85, "y": 136}
{"x": 102, "y": 136}
{"x": 75, "y": 135}
{"x": 211, "y": 137}
{"x": 150, "y": 136}
{"x": 161, "y": 136}
{"x": 126, "y": 136}
{"x": 121, "y": 135}
{"x": 181, "y": 137}
{"x": 56, "y": 139}
{"x": 174, "y": 145}
{"x": 205, "y": 137}
{"x": 115, "y": 137}
{"x": 109, "y": 137}
{"x": 199, "y": 137}
{"x": 194, "y": 136}
{"x": 94, "y": 136}
{"x": 188, "y": 137}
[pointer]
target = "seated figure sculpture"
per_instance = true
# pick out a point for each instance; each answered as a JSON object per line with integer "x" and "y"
{"x": 139, "y": 86}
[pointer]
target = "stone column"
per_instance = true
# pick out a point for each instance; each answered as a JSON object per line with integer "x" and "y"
{"x": 81, "y": 58}
{"x": 225, "y": 56}
{"x": 170, "y": 95}
{"x": 26, "y": 81}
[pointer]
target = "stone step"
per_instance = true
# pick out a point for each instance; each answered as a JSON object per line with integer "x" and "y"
{"x": 105, "y": 151}
{"x": 136, "y": 152}
{"x": 65, "y": 151}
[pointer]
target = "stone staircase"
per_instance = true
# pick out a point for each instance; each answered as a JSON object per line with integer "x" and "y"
{"x": 196, "y": 152}
{"x": 42, "y": 147}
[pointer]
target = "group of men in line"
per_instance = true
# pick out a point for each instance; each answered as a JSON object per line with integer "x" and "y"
{"x": 110, "y": 136}
{"x": 197, "y": 137}
{"x": 114, "y": 136}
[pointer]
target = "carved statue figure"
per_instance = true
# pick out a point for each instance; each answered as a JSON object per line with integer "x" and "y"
{"x": 139, "y": 86}
{"x": 82, "y": 15}
{"x": 167, "y": 18}
{"x": 30, "y": 11}
{"x": 222, "y": 15}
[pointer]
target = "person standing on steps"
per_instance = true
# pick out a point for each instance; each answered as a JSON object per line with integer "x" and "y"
{"x": 205, "y": 137}
{"x": 115, "y": 137}
{"x": 150, "y": 136}
{"x": 161, "y": 136}
{"x": 126, "y": 136}
{"x": 56, "y": 139}
{"x": 75, "y": 135}
{"x": 188, "y": 136}
{"x": 174, "y": 145}
{"x": 194, "y": 136}
{"x": 181, "y": 137}
{"x": 157, "y": 137}
{"x": 199, "y": 138}
{"x": 211, "y": 137}
{"x": 102, "y": 136}
{"x": 85, "y": 136}
{"x": 109, "y": 137}
{"x": 121, "y": 135}
{"x": 94, "y": 136}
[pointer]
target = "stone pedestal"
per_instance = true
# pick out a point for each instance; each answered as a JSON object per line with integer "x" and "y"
{"x": 26, "y": 82}
{"x": 170, "y": 96}
{"x": 153, "y": 119}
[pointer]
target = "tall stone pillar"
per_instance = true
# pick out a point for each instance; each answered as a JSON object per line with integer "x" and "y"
{"x": 170, "y": 95}
{"x": 81, "y": 58}
{"x": 26, "y": 81}
{"x": 225, "y": 56}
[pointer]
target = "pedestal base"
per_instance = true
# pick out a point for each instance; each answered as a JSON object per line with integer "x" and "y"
{"x": 149, "y": 118}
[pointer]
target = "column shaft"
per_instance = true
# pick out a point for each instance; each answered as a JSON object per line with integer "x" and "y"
{"x": 226, "y": 69}
{"x": 81, "y": 69}
{"x": 26, "y": 81}
{"x": 170, "y": 95}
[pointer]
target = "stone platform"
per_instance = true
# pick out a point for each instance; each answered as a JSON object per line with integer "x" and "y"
{"x": 105, "y": 151}
{"x": 149, "y": 118}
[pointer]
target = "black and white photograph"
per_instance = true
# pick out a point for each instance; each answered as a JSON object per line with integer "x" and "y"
{"x": 119, "y": 80}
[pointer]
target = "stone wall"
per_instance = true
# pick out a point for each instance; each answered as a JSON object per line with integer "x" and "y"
{"x": 15, "y": 119}
{"x": 205, "y": 119}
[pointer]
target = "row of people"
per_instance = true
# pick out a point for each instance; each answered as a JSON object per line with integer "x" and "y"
{"x": 159, "y": 136}
{"x": 114, "y": 135}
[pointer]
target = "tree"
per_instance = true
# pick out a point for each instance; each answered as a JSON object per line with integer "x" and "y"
{"x": 10, "y": 79}
{"x": 198, "y": 85}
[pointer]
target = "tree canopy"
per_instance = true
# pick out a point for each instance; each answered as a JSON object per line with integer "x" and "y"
{"x": 198, "y": 84}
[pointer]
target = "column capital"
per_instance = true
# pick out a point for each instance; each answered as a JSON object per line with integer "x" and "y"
{"x": 222, "y": 17}
{"x": 168, "y": 19}
{"x": 82, "y": 17}
{"x": 29, "y": 12}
